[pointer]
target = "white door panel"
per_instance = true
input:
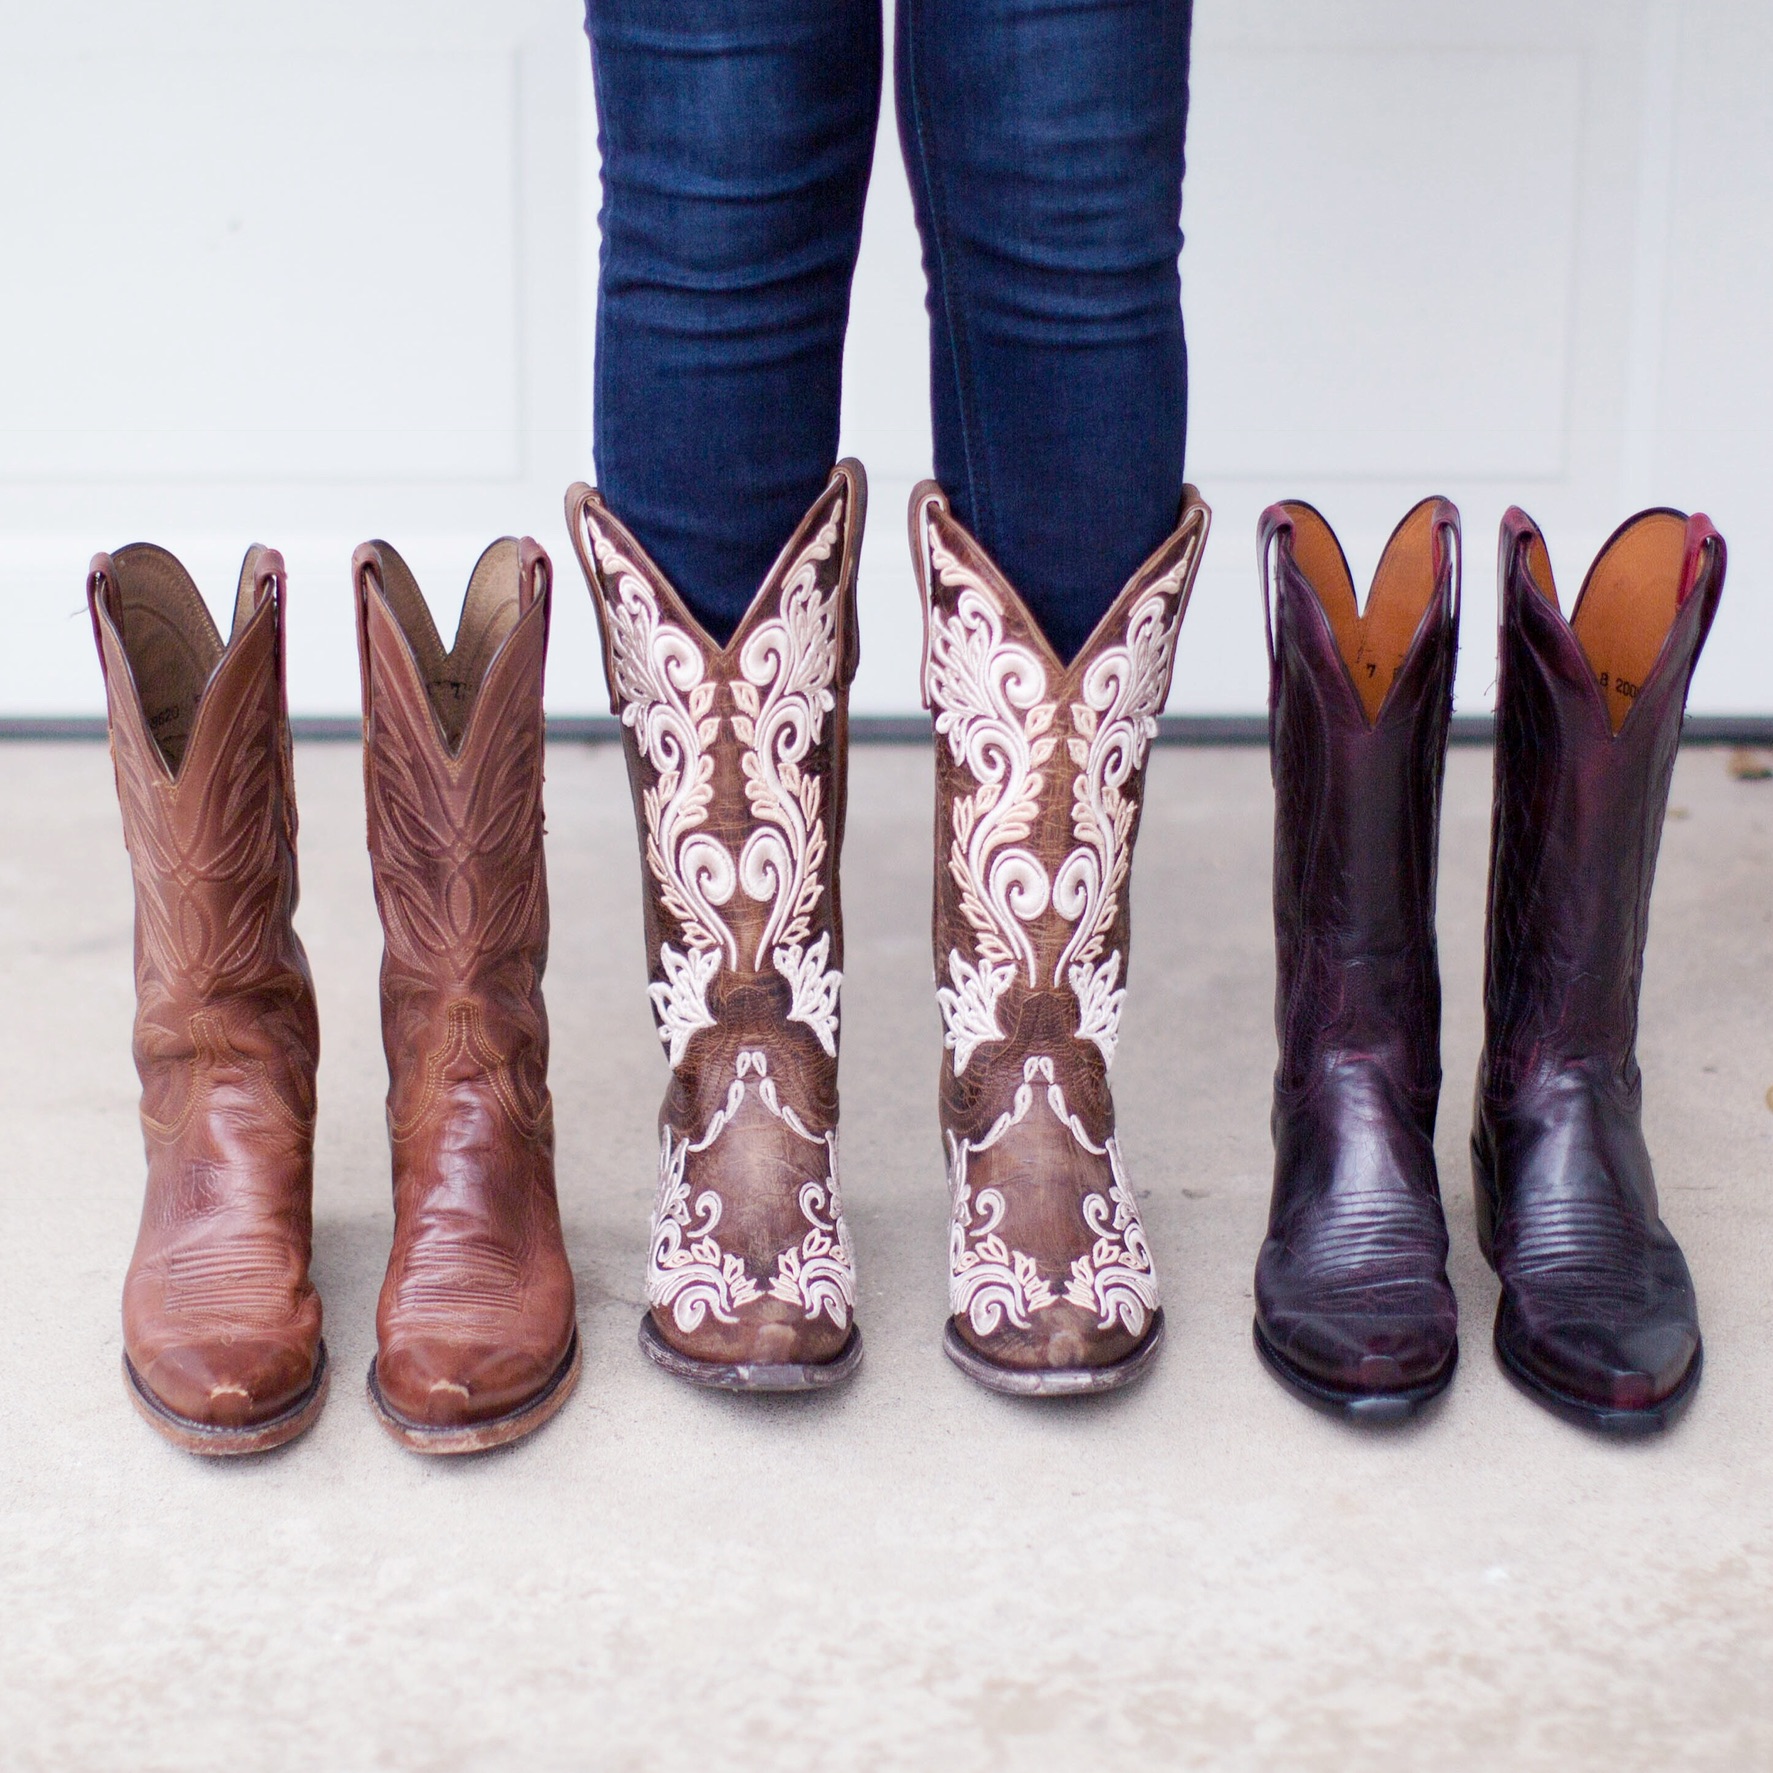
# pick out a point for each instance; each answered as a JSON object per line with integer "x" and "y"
{"x": 310, "y": 274}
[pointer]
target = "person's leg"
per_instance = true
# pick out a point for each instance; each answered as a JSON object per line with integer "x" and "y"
{"x": 736, "y": 137}
{"x": 1044, "y": 143}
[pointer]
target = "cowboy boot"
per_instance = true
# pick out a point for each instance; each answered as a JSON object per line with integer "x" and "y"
{"x": 738, "y": 756}
{"x": 221, "y": 1324}
{"x": 476, "y": 1343}
{"x": 1353, "y": 1307}
{"x": 1597, "y": 1318}
{"x": 1040, "y": 779}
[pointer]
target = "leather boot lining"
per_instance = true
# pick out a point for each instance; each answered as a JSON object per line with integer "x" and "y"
{"x": 1373, "y": 643}
{"x": 170, "y": 640}
{"x": 489, "y": 613}
{"x": 1628, "y": 604}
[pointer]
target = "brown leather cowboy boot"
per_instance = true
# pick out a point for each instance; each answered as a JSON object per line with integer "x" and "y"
{"x": 1353, "y": 1307}
{"x": 1598, "y": 1320}
{"x": 737, "y": 756}
{"x": 221, "y": 1324}
{"x": 476, "y": 1341}
{"x": 1040, "y": 777}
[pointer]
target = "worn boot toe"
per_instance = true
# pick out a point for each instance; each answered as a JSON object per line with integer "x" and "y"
{"x": 438, "y": 1381}
{"x": 236, "y": 1384}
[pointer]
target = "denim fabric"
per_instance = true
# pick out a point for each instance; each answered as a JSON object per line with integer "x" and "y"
{"x": 1044, "y": 143}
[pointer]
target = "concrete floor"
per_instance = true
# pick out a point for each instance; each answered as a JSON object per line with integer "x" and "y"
{"x": 1197, "y": 1573}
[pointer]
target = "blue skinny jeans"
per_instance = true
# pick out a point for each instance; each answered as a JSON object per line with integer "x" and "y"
{"x": 1044, "y": 143}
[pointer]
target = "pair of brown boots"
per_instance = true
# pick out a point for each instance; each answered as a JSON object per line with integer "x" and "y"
{"x": 477, "y": 1343}
{"x": 738, "y": 759}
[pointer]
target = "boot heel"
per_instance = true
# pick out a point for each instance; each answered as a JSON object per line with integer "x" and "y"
{"x": 1483, "y": 1202}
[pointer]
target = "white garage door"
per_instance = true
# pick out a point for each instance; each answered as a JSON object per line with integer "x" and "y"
{"x": 306, "y": 274}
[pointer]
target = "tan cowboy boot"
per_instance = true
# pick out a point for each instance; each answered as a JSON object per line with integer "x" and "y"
{"x": 737, "y": 756}
{"x": 476, "y": 1340}
{"x": 221, "y": 1325}
{"x": 1040, "y": 775}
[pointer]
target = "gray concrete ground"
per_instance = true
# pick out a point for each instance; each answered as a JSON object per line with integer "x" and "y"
{"x": 1198, "y": 1573}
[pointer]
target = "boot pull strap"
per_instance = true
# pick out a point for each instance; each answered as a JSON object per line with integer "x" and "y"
{"x": 102, "y": 588}
{"x": 270, "y": 584}
{"x": 269, "y": 578}
{"x": 366, "y": 577}
{"x": 535, "y": 574}
{"x": 1704, "y": 562}
{"x": 1450, "y": 563}
{"x": 927, "y": 499}
{"x": 579, "y": 497}
{"x": 1272, "y": 526}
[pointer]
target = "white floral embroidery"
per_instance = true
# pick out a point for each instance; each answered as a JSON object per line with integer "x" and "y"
{"x": 1099, "y": 1000}
{"x": 820, "y": 1274}
{"x": 990, "y": 1281}
{"x": 989, "y": 698}
{"x": 815, "y": 987}
{"x": 667, "y": 701}
{"x": 969, "y": 1006}
{"x": 1113, "y": 725}
{"x": 787, "y": 686}
{"x": 1114, "y": 1278}
{"x": 680, "y": 1002}
{"x": 691, "y": 1275}
{"x": 688, "y": 1273}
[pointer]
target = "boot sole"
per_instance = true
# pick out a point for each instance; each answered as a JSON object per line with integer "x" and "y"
{"x": 752, "y": 1375}
{"x": 1369, "y": 1408}
{"x": 1053, "y": 1381}
{"x": 209, "y": 1442}
{"x": 480, "y": 1437}
{"x": 1608, "y": 1419}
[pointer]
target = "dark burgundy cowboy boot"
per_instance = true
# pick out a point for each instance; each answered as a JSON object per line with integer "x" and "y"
{"x": 1353, "y": 1308}
{"x": 1597, "y": 1318}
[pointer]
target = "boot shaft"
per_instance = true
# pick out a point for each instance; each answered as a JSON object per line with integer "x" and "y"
{"x": 738, "y": 760}
{"x": 1040, "y": 778}
{"x": 1588, "y": 723}
{"x": 453, "y": 773}
{"x": 1359, "y": 706}
{"x": 200, "y": 748}
{"x": 453, "y": 761}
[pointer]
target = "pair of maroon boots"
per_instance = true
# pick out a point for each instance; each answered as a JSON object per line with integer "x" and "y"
{"x": 1597, "y": 1318}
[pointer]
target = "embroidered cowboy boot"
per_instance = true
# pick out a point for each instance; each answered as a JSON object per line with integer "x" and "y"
{"x": 221, "y": 1324}
{"x": 738, "y": 757}
{"x": 1353, "y": 1307}
{"x": 476, "y": 1341}
{"x": 1040, "y": 779}
{"x": 1597, "y": 1319}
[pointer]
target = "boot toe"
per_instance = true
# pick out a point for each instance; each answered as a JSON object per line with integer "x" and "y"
{"x": 1376, "y": 1351}
{"x": 439, "y": 1382}
{"x": 770, "y": 1333}
{"x": 1062, "y": 1338}
{"x": 1601, "y": 1366}
{"x": 234, "y": 1384}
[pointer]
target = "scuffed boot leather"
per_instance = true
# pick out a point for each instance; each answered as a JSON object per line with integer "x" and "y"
{"x": 221, "y": 1324}
{"x": 1353, "y": 1307}
{"x": 1597, "y": 1318}
{"x": 738, "y": 757}
{"x": 476, "y": 1342}
{"x": 1040, "y": 776}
